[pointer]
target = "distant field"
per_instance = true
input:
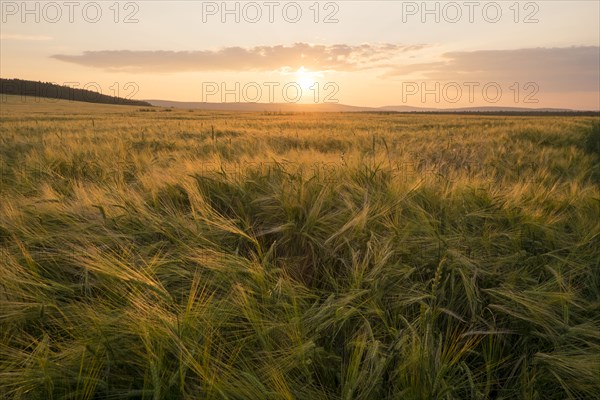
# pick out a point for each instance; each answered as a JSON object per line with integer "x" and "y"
{"x": 174, "y": 254}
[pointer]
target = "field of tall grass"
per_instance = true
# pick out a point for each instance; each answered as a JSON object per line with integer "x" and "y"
{"x": 180, "y": 254}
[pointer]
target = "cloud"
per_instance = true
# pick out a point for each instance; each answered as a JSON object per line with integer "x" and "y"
{"x": 260, "y": 58}
{"x": 16, "y": 36}
{"x": 564, "y": 69}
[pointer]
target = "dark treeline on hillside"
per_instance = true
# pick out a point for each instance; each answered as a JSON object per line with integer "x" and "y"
{"x": 54, "y": 91}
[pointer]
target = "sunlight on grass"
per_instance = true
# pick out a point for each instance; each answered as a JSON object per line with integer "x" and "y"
{"x": 305, "y": 256}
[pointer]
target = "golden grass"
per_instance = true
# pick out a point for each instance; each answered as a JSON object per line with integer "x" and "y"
{"x": 186, "y": 254}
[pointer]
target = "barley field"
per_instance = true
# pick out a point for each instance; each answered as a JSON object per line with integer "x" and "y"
{"x": 176, "y": 254}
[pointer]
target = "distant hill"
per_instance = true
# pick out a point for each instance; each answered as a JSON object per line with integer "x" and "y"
{"x": 50, "y": 90}
{"x": 268, "y": 107}
{"x": 19, "y": 87}
{"x": 282, "y": 107}
{"x": 331, "y": 107}
{"x": 478, "y": 109}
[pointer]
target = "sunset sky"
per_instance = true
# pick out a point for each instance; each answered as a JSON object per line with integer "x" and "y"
{"x": 504, "y": 53}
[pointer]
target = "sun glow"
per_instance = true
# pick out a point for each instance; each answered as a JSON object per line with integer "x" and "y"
{"x": 305, "y": 79}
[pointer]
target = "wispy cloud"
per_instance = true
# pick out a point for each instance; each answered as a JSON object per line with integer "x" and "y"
{"x": 260, "y": 58}
{"x": 16, "y": 36}
{"x": 559, "y": 69}
{"x": 564, "y": 69}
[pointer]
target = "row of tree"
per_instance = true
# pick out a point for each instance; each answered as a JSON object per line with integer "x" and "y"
{"x": 50, "y": 90}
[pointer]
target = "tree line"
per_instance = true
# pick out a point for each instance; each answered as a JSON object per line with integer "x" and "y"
{"x": 51, "y": 90}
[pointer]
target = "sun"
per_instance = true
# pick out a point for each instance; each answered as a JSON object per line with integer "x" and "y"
{"x": 305, "y": 79}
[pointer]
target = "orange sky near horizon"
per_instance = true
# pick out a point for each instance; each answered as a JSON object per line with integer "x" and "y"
{"x": 420, "y": 54}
